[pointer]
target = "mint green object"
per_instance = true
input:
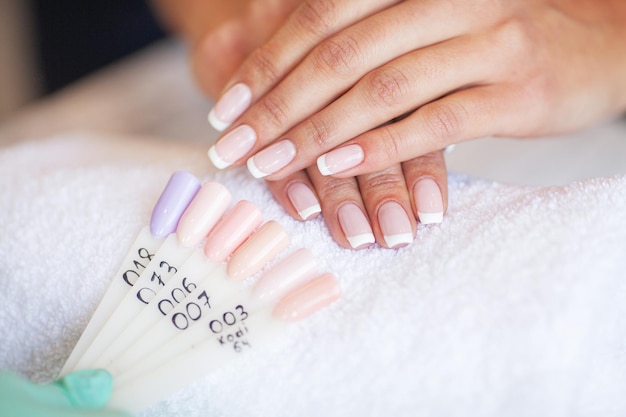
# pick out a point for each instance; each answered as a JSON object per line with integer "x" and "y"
{"x": 78, "y": 394}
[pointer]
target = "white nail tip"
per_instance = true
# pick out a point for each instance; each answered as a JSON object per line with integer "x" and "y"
{"x": 217, "y": 123}
{"x": 309, "y": 211}
{"x": 360, "y": 240}
{"x": 430, "y": 218}
{"x": 394, "y": 241}
{"x": 321, "y": 165}
{"x": 216, "y": 160}
{"x": 256, "y": 173}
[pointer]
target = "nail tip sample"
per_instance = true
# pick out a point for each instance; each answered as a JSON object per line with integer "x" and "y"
{"x": 256, "y": 173}
{"x": 309, "y": 212}
{"x": 430, "y": 218}
{"x": 361, "y": 240}
{"x": 216, "y": 123}
{"x": 398, "y": 240}
{"x": 173, "y": 201}
{"x": 215, "y": 159}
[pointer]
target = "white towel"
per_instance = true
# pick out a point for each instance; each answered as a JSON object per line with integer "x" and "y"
{"x": 514, "y": 306}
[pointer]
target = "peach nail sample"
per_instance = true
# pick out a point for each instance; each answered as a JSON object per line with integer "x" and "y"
{"x": 308, "y": 299}
{"x": 232, "y": 231}
{"x": 203, "y": 213}
{"x": 258, "y": 250}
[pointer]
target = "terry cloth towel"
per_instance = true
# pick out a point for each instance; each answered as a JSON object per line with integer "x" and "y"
{"x": 514, "y": 306}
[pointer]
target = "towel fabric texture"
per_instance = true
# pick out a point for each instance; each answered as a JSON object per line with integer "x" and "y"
{"x": 514, "y": 306}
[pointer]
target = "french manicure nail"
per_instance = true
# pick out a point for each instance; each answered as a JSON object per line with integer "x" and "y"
{"x": 232, "y": 231}
{"x": 303, "y": 200}
{"x": 428, "y": 201}
{"x": 232, "y": 147}
{"x": 203, "y": 213}
{"x": 257, "y": 251}
{"x": 355, "y": 226}
{"x": 272, "y": 159}
{"x": 308, "y": 299}
{"x": 178, "y": 193}
{"x": 340, "y": 159}
{"x": 230, "y": 106}
{"x": 395, "y": 225}
{"x": 295, "y": 270}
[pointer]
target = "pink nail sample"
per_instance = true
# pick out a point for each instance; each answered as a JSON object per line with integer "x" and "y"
{"x": 308, "y": 299}
{"x": 232, "y": 147}
{"x": 272, "y": 159}
{"x": 230, "y": 106}
{"x": 203, "y": 213}
{"x": 395, "y": 225}
{"x": 340, "y": 159}
{"x": 295, "y": 270}
{"x": 428, "y": 201}
{"x": 303, "y": 200}
{"x": 355, "y": 226}
{"x": 258, "y": 250}
{"x": 232, "y": 231}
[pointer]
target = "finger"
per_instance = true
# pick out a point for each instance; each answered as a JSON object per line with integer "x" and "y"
{"x": 461, "y": 116}
{"x": 427, "y": 182}
{"x": 297, "y": 196}
{"x": 388, "y": 205}
{"x": 309, "y": 25}
{"x": 343, "y": 210}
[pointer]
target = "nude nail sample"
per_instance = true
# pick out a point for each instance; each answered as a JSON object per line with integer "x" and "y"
{"x": 303, "y": 200}
{"x": 264, "y": 244}
{"x": 232, "y": 147}
{"x": 355, "y": 226}
{"x": 232, "y": 231}
{"x": 395, "y": 225}
{"x": 297, "y": 269}
{"x": 178, "y": 193}
{"x": 308, "y": 299}
{"x": 272, "y": 159}
{"x": 428, "y": 201}
{"x": 340, "y": 159}
{"x": 230, "y": 106}
{"x": 203, "y": 213}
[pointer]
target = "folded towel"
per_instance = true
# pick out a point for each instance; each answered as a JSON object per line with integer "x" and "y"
{"x": 514, "y": 306}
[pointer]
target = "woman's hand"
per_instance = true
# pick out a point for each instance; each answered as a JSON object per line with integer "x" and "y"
{"x": 321, "y": 89}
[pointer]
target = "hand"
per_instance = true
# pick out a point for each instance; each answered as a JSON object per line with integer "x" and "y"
{"x": 75, "y": 395}
{"x": 325, "y": 83}
{"x": 380, "y": 207}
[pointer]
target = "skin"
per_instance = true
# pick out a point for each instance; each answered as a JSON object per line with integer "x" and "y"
{"x": 220, "y": 49}
{"x": 334, "y": 72}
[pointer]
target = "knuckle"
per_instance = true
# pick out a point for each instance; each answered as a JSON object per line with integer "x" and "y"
{"x": 338, "y": 56}
{"x": 383, "y": 181}
{"x": 444, "y": 122}
{"x": 318, "y": 132}
{"x": 274, "y": 109}
{"x": 391, "y": 142}
{"x": 516, "y": 36}
{"x": 317, "y": 17}
{"x": 333, "y": 190}
{"x": 387, "y": 86}
{"x": 262, "y": 66}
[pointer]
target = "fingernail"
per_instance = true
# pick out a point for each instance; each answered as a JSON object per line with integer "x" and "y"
{"x": 308, "y": 299}
{"x": 295, "y": 270}
{"x": 303, "y": 200}
{"x": 395, "y": 225}
{"x": 232, "y": 231}
{"x": 340, "y": 159}
{"x": 230, "y": 106}
{"x": 355, "y": 226}
{"x": 90, "y": 388}
{"x": 178, "y": 193}
{"x": 232, "y": 146}
{"x": 272, "y": 159}
{"x": 203, "y": 213}
{"x": 257, "y": 251}
{"x": 428, "y": 201}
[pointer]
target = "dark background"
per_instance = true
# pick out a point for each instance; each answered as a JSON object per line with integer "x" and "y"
{"x": 76, "y": 37}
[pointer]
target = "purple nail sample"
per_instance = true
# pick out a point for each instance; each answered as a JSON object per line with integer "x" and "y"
{"x": 178, "y": 193}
